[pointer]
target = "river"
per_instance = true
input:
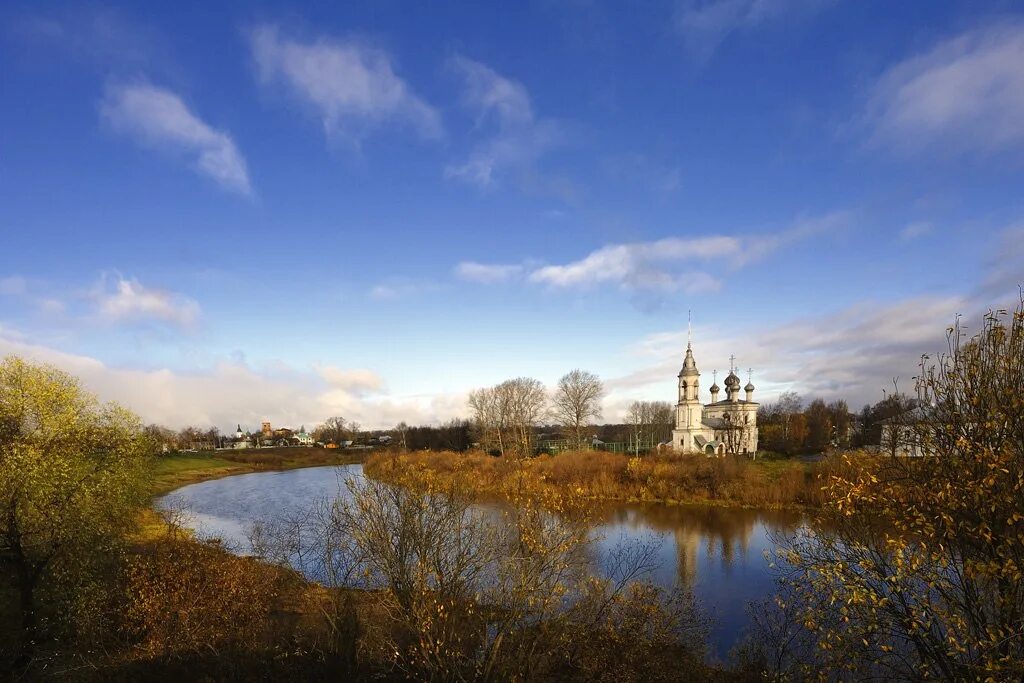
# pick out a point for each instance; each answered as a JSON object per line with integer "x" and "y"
{"x": 718, "y": 552}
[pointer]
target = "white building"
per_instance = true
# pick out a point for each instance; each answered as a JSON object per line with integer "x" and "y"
{"x": 719, "y": 427}
{"x": 909, "y": 434}
{"x": 303, "y": 438}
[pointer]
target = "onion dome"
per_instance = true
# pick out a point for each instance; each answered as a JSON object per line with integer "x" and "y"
{"x": 732, "y": 381}
{"x": 715, "y": 388}
{"x": 749, "y": 387}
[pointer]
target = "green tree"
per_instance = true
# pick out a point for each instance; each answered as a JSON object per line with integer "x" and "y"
{"x": 70, "y": 476}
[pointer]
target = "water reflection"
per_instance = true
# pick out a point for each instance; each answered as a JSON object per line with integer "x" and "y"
{"x": 717, "y": 552}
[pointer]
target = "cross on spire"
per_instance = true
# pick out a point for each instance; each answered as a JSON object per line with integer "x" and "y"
{"x": 732, "y": 363}
{"x": 689, "y": 328}
{"x": 750, "y": 374}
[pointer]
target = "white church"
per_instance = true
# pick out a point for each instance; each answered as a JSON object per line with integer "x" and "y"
{"x": 719, "y": 427}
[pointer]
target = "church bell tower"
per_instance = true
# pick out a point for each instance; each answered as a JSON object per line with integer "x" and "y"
{"x": 689, "y": 411}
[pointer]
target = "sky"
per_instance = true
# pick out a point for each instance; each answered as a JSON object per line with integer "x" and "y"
{"x": 221, "y": 213}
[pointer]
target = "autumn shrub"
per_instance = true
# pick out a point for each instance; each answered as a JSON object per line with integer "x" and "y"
{"x": 184, "y": 597}
{"x": 917, "y": 568}
{"x": 461, "y": 592}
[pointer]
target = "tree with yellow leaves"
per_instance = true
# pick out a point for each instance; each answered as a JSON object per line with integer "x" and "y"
{"x": 70, "y": 474}
{"x": 917, "y": 571}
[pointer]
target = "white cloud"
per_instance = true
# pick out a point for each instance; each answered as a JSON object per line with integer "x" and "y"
{"x": 704, "y": 24}
{"x": 915, "y": 230}
{"x": 487, "y": 273}
{"x": 965, "y": 94}
{"x": 229, "y": 392}
{"x": 130, "y": 301}
{"x": 488, "y": 92}
{"x": 519, "y": 139}
{"x": 157, "y": 117}
{"x": 351, "y": 86}
{"x": 851, "y": 354}
{"x": 359, "y": 381}
{"x": 654, "y": 265}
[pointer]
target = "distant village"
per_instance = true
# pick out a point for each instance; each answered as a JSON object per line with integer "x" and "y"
{"x": 283, "y": 437}
{"x": 191, "y": 439}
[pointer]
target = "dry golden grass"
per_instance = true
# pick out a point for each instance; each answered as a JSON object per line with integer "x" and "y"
{"x": 598, "y": 475}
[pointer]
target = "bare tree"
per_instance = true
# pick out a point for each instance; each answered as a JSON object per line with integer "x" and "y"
{"x": 466, "y": 595}
{"x": 663, "y": 420}
{"x": 355, "y": 430}
{"x": 649, "y": 422}
{"x": 333, "y": 429}
{"x": 638, "y": 417}
{"x": 525, "y": 401}
{"x": 733, "y": 434}
{"x": 488, "y": 416}
{"x": 400, "y": 431}
{"x": 506, "y": 414}
{"x": 577, "y": 401}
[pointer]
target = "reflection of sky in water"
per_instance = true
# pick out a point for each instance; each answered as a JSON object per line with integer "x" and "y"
{"x": 227, "y": 508}
{"x": 718, "y": 552}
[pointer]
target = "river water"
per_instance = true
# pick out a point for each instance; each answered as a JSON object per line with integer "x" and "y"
{"x": 717, "y": 552}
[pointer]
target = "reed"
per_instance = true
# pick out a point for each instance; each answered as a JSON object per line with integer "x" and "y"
{"x": 598, "y": 475}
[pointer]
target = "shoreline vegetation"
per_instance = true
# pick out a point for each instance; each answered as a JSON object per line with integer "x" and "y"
{"x": 733, "y": 481}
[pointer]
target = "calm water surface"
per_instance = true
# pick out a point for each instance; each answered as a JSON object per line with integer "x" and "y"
{"x": 718, "y": 552}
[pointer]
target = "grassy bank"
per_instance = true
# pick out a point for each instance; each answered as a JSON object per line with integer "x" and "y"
{"x": 170, "y": 472}
{"x": 734, "y": 481}
{"x": 173, "y": 471}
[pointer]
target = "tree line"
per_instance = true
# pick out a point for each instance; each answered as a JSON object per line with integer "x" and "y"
{"x": 509, "y": 416}
{"x": 789, "y": 426}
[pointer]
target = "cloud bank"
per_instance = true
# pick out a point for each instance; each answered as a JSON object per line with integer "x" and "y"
{"x": 229, "y": 392}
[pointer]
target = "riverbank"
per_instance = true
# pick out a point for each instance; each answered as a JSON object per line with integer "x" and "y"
{"x": 241, "y": 617}
{"x": 170, "y": 472}
{"x": 601, "y": 476}
{"x": 174, "y": 471}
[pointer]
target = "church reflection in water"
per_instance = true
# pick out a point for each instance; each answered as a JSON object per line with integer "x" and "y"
{"x": 717, "y": 552}
{"x": 701, "y": 535}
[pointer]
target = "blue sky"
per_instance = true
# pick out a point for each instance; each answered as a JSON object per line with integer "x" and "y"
{"x": 224, "y": 213}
